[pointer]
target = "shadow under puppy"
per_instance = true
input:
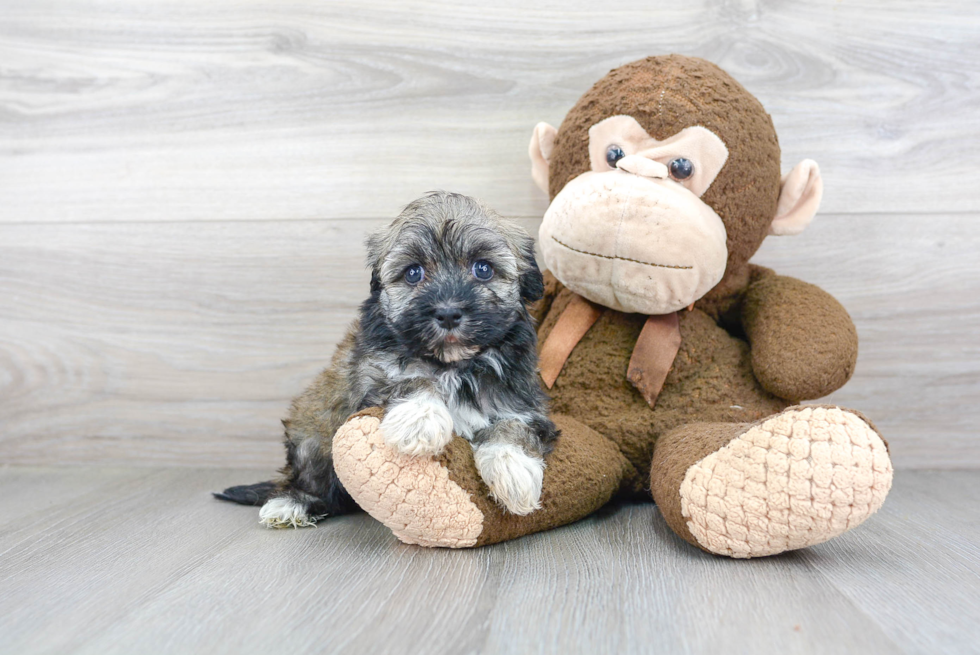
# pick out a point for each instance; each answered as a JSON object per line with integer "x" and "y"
{"x": 445, "y": 344}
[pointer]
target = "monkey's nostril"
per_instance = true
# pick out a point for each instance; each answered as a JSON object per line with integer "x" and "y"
{"x": 449, "y": 317}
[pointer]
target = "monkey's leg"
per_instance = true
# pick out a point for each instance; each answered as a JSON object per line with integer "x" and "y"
{"x": 442, "y": 501}
{"x": 795, "y": 479}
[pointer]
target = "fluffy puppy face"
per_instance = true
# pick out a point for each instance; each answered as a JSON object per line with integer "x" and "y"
{"x": 451, "y": 276}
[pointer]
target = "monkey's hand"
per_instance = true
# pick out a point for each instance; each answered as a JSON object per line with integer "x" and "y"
{"x": 418, "y": 425}
{"x": 804, "y": 344}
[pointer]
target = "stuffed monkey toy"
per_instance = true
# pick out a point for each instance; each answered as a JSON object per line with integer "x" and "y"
{"x": 675, "y": 366}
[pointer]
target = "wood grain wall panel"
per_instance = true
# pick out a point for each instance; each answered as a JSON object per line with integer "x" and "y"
{"x": 172, "y": 111}
{"x": 182, "y": 343}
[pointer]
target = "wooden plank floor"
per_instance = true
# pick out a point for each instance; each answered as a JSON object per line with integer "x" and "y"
{"x": 96, "y": 560}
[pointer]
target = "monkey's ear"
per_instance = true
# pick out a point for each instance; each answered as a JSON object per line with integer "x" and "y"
{"x": 799, "y": 199}
{"x": 542, "y": 143}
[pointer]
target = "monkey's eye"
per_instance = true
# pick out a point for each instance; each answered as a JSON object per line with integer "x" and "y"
{"x": 614, "y": 154}
{"x": 681, "y": 169}
{"x": 414, "y": 274}
{"x": 482, "y": 270}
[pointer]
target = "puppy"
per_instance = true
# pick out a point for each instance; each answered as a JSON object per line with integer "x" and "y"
{"x": 445, "y": 344}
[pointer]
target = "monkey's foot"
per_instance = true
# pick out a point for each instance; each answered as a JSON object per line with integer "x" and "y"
{"x": 799, "y": 478}
{"x": 442, "y": 501}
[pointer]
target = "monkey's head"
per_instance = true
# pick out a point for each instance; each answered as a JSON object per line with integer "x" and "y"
{"x": 664, "y": 180}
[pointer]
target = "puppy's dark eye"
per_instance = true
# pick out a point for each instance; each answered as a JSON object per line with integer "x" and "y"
{"x": 613, "y": 155}
{"x": 414, "y": 274}
{"x": 681, "y": 169}
{"x": 482, "y": 270}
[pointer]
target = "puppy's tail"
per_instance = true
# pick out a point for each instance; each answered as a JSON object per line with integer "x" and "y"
{"x": 248, "y": 494}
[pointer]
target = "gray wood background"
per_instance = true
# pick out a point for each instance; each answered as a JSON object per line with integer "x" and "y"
{"x": 185, "y": 187}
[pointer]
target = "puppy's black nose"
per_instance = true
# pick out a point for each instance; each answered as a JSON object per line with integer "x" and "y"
{"x": 449, "y": 317}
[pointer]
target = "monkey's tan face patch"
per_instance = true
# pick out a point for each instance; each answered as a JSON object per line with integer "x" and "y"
{"x": 699, "y": 145}
{"x": 627, "y": 234}
{"x": 633, "y": 244}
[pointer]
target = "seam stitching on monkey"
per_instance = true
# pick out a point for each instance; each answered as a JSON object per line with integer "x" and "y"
{"x": 668, "y": 80}
{"x": 625, "y": 259}
{"x": 622, "y": 214}
{"x": 682, "y": 99}
{"x": 744, "y": 188}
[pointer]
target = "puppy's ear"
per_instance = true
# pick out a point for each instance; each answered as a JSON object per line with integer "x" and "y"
{"x": 374, "y": 252}
{"x": 531, "y": 281}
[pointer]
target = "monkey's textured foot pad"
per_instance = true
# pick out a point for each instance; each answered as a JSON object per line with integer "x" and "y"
{"x": 412, "y": 496}
{"x": 797, "y": 479}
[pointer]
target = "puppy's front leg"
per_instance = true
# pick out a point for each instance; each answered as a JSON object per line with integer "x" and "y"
{"x": 417, "y": 422}
{"x": 508, "y": 455}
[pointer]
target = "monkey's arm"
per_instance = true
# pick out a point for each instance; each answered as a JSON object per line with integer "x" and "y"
{"x": 540, "y": 308}
{"x": 804, "y": 344}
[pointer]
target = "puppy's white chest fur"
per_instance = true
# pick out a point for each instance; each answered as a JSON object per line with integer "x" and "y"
{"x": 467, "y": 418}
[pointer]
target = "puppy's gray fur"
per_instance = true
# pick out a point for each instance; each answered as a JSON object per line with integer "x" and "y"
{"x": 450, "y": 353}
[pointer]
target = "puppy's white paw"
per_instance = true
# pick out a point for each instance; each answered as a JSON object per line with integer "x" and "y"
{"x": 285, "y": 513}
{"x": 514, "y": 477}
{"x": 418, "y": 426}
